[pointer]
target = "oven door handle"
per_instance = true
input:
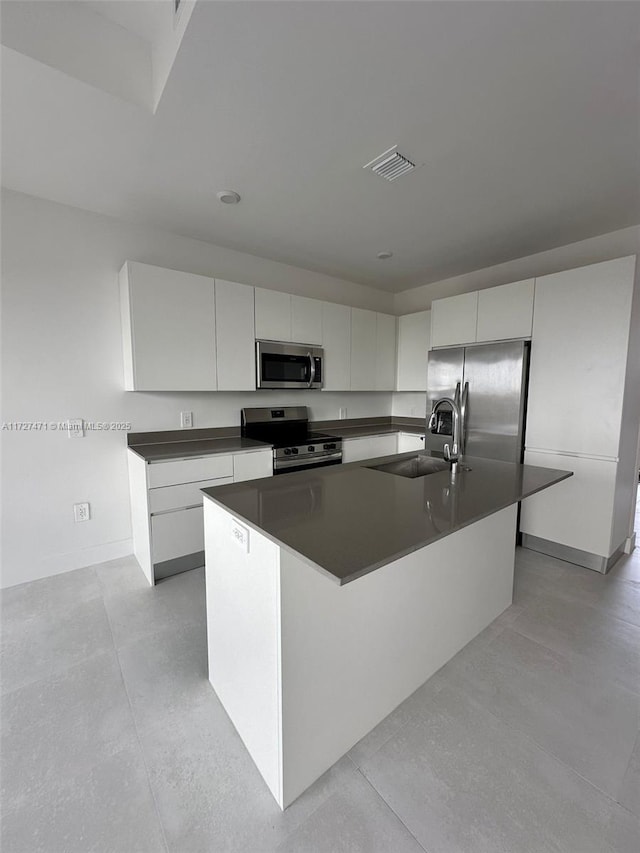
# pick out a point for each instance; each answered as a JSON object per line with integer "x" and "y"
{"x": 312, "y": 370}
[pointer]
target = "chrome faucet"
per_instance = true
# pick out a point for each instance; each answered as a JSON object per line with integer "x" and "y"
{"x": 451, "y": 453}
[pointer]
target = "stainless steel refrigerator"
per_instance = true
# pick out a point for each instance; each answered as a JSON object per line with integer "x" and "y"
{"x": 489, "y": 383}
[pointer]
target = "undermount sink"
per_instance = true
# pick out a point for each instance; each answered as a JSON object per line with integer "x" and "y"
{"x": 415, "y": 466}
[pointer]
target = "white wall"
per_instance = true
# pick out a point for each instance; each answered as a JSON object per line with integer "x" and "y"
{"x": 617, "y": 244}
{"x": 409, "y": 404}
{"x": 62, "y": 358}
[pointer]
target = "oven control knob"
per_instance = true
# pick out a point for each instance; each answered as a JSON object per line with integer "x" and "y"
{"x": 294, "y": 450}
{"x": 329, "y": 447}
{"x": 287, "y": 451}
{"x": 311, "y": 448}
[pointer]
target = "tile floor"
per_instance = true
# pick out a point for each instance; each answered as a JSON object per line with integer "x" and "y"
{"x": 112, "y": 739}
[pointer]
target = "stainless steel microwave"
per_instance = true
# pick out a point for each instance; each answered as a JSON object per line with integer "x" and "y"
{"x": 284, "y": 365}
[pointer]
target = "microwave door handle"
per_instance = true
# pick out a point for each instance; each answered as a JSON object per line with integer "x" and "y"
{"x": 312, "y": 370}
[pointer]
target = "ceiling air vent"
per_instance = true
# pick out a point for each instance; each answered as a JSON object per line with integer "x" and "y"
{"x": 390, "y": 164}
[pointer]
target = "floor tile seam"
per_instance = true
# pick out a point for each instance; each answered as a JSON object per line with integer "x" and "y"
{"x": 559, "y": 599}
{"x": 65, "y": 786}
{"x": 391, "y": 809}
{"x": 58, "y": 671}
{"x": 527, "y": 737}
{"x": 630, "y": 812}
{"x": 179, "y": 629}
{"x": 602, "y": 608}
{"x": 618, "y": 684}
{"x": 609, "y": 682}
{"x": 386, "y": 740}
{"x": 143, "y": 756}
{"x": 411, "y": 719}
{"x": 137, "y": 733}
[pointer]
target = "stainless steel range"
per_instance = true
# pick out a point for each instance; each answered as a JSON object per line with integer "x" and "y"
{"x": 295, "y": 447}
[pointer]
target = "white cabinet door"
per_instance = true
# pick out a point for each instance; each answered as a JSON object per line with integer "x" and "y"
{"x": 454, "y": 320}
{"x": 578, "y": 359}
{"x": 235, "y": 337}
{"x": 577, "y": 512}
{"x": 407, "y": 441}
{"x": 273, "y": 315}
{"x": 306, "y": 320}
{"x": 176, "y": 534}
{"x": 414, "y": 339}
{"x": 168, "y": 321}
{"x": 385, "y": 352}
{"x": 252, "y": 466}
{"x": 368, "y": 447}
{"x": 506, "y": 311}
{"x": 363, "y": 349}
{"x": 336, "y": 342}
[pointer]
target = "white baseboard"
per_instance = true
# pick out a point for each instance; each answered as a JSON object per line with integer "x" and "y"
{"x": 630, "y": 543}
{"x": 57, "y": 564}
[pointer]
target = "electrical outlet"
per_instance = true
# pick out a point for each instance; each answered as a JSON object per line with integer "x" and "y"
{"x": 75, "y": 428}
{"x": 186, "y": 420}
{"x": 240, "y": 534}
{"x": 81, "y": 512}
{"x": 343, "y": 413}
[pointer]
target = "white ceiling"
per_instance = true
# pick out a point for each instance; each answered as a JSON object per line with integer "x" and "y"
{"x": 524, "y": 114}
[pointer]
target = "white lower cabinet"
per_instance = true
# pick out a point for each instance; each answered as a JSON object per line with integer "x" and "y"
{"x": 408, "y": 441}
{"x": 577, "y": 513}
{"x": 166, "y": 505}
{"x": 175, "y": 534}
{"x": 368, "y": 447}
{"x": 252, "y": 466}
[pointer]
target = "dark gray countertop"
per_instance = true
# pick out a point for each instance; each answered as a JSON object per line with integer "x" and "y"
{"x": 164, "y": 451}
{"x": 348, "y": 520}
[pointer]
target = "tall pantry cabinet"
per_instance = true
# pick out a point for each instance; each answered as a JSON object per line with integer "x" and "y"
{"x": 584, "y": 410}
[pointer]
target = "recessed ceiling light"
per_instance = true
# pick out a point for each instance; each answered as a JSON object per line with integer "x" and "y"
{"x": 384, "y": 256}
{"x": 228, "y": 197}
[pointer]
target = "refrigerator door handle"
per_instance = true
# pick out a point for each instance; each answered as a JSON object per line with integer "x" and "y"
{"x": 456, "y": 395}
{"x": 463, "y": 416}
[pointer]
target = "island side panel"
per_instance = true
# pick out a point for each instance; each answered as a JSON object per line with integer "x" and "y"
{"x": 140, "y": 521}
{"x": 243, "y": 636}
{"x": 353, "y": 653}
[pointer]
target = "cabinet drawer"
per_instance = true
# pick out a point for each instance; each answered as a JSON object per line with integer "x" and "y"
{"x": 355, "y": 449}
{"x": 176, "y": 534}
{"x": 252, "y": 466}
{"x": 189, "y": 470}
{"x": 184, "y": 495}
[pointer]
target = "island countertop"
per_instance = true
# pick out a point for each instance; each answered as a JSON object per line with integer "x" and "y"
{"x": 348, "y": 520}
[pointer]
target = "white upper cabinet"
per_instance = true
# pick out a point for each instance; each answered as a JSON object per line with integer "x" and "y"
{"x": 506, "y": 311}
{"x": 272, "y": 315}
{"x": 454, "y": 320}
{"x": 363, "y": 349}
{"x": 579, "y": 354}
{"x": 414, "y": 340}
{"x": 385, "y": 352}
{"x": 306, "y": 320}
{"x": 336, "y": 341}
{"x": 168, "y": 324}
{"x": 235, "y": 337}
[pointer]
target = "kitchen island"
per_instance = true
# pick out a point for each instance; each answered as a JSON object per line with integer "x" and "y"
{"x": 333, "y": 594}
